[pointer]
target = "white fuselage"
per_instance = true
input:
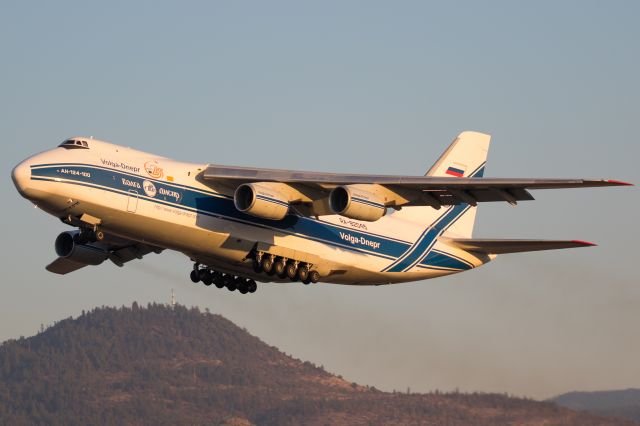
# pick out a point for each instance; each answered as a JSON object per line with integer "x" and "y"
{"x": 158, "y": 201}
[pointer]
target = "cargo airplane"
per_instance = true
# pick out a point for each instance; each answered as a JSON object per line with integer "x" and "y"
{"x": 240, "y": 225}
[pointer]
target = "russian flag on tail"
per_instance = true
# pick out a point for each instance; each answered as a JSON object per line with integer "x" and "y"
{"x": 453, "y": 171}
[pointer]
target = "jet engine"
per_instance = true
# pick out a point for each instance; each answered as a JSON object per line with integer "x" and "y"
{"x": 68, "y": 248}
{"x": 357, "y": 203}
{"x": 261, "y": 200}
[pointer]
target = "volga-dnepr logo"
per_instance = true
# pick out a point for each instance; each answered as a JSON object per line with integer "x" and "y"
{"x": 153, "y": 170}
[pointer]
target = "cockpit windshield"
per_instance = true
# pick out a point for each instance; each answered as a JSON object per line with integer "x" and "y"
{"x": 74, "y": 144}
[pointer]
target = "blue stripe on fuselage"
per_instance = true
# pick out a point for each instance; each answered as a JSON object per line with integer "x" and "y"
{"x": 218, "y": 205}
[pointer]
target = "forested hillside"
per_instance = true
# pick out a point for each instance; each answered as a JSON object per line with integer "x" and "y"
{"x": 157, "y": 365}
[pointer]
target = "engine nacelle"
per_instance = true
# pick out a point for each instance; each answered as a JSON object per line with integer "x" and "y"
{"x": 357, "y": 203}
{"x": 87, "y": 254}
{"x": 261, "y": 200}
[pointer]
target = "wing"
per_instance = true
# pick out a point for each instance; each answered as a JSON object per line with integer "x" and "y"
{"x": 119, "y": 251}
{"x": 492, "y": 246}
{"x": 432, "y": 190}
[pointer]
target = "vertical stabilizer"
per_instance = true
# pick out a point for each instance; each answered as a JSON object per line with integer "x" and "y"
{"x": 465, "y": 157}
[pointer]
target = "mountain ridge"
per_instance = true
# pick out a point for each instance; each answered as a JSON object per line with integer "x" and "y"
{"x": 623, "y": 403}
{"x": 155, "y": 364}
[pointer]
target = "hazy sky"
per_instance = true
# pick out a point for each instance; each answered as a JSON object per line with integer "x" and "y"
{"x": 379, "y": 87}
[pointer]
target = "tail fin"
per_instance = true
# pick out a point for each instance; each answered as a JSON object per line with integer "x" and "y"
{"x": 465, "y": 157}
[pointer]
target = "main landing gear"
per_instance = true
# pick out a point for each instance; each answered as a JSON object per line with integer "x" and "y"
{"x": 207, "y": 276}
{"x": 284, "y": 268}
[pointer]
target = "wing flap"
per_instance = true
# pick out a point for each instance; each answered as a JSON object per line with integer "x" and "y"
{"x": 494, "y": 246}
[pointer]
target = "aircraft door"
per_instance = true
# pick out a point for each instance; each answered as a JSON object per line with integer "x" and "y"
{"x": 132, "y": 201}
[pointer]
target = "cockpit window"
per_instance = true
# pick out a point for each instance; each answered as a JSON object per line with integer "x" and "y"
{"x": 74, "y": 144}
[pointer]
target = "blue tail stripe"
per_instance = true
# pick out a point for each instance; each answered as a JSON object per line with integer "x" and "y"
{"x": 444, "y": 260}
{"x": 420, "y": 250}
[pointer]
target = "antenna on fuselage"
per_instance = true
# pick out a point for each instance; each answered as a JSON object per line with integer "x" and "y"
{"x": 173, "y": 299}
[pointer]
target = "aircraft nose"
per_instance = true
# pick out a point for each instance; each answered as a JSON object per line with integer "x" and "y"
{"x": 21, "y": 175}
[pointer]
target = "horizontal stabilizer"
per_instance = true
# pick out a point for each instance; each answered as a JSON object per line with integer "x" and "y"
{"x": 488, "y": 246}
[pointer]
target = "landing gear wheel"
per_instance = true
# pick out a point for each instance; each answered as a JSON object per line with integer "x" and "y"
{"x": 207, "y": 279}
{"x": 314, "y": 276}
{"x": 252, "y": 286}
{"x": 292, "y": 271}
{"x": 303, "y": 273}
{"x": 202, "y": 273}
{"x": 195, "y": 277}
{"x": 257, "y": 266}
{"x": 243, "y": 286}
{"x": 280, "y": 268}
{"x": 230, "y": 282}
{"x": 218, "y": 279}
{"x": 267, "y": 265}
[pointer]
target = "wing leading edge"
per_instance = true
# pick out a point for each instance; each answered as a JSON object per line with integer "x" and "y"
{"x": 439, "y": 190}
{"x": 238, "y": 175}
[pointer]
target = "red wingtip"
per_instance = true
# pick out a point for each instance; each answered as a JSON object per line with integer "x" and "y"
{"x": 584, "y": 243}
{"x": 619, "y": 182}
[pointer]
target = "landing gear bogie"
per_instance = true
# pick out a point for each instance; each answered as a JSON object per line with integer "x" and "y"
{"x": 201, "y": 273}
{"x": 284, "y": 268}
